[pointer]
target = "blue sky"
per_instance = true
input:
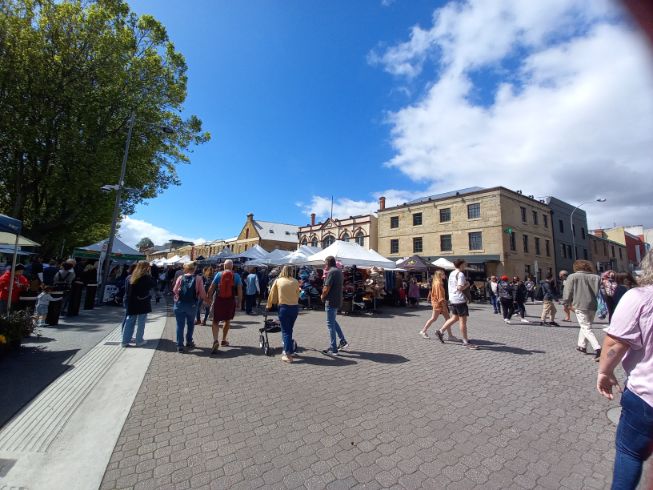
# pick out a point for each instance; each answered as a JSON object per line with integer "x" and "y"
{"x": 308, "y": 100}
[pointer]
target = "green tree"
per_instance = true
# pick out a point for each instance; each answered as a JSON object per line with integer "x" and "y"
{"x": 71, "y": 73}
{"x": 144, "y": 243}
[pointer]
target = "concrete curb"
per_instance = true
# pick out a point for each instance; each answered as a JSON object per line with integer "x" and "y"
{"x": 65, "y": 437}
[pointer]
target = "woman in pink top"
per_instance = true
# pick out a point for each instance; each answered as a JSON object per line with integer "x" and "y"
{"x": 630, "y": 338}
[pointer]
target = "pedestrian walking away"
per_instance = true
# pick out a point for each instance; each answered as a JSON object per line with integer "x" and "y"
{"x": 332, "y": 299}
{"x": 188, "y": 289}
{"x": 207, "y": 278}
{"x": 581, "y": 290}
{"x": 285, "y": 293}
{"x": 492, "y": 287}
{"x": 252, "y": 289}
{"x": 529, "y": 283}
{"x": 138, "y": 303}
{"x": 439, "y": 304}
{"x": 459, "y": 309}
{"x": 226, "y": 289}
{"x": 520, "y": 294}
{"x": 506, "y": 298}
{"x": 561, "y": 283}
{"x": 549, "y": 296}
{"x": 629, "y": 340}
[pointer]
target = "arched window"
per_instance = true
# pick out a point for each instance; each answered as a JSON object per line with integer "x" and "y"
{"x": 328, "y": 240}
{"x": 345, "y": 237}
{"x": 360, "y": 239}
{"x": 247, "y": 233}
{"x": 314, "y": 242}
{"x": 304, "y": 241}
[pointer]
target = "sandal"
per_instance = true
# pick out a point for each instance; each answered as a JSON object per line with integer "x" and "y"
{"x": 216, "y": 347}
{"x": 470, "y": 346}
{"x": 581, "y": 349}
{"x": 224, "y": 343}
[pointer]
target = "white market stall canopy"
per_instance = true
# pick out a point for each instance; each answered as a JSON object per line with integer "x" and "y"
{"x": 350, "y": 253}
{"x": 184, "y": 260}
{"x": 443, "y": 263}
{"x": 256, "y": 252}
{"x": 120, "y": 250}
{"x": 276, "y": 256}
{"x": 308, "y": 250}
{"x": 10, "y": 239}
{"x": 172, "y": 260}
{"x": 297, "y": 257}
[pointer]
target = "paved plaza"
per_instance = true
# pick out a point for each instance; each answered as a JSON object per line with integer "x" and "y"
{"x": 396, "y": 411}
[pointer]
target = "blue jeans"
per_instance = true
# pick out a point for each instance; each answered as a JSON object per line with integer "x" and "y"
{"x": 128, "y": 331}
{"x": 207, "y": 310}
{"x": 287, "y": 316}
{"x": 250, "y": 301}
{"x": 334, "y": 327}
{"x": 185, "y": 314}
{"x": 634, "y": 441}
{"x": 494, "y": 301}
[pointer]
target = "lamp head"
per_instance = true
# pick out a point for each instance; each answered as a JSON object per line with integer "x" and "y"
{"x": 601, "y": 199}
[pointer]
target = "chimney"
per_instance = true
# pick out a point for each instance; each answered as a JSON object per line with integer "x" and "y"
{"x": 250, "y": 217}
{"x": 600, "y": 233}
{"x": 381, "y": 203}
{"x": 312, "y": 219}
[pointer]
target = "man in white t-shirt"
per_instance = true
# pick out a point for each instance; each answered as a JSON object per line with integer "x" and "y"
{"x": 458, "y": 301}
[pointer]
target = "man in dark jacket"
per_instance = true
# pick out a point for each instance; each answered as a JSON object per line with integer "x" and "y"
{"x": 506, "y": 297}
{"x": 520, "y": 295}
{"x": 549, "y": 295}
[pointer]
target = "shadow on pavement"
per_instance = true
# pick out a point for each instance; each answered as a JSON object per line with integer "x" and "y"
{"x": 375, "y": 357}
{"x": 27, "y": 372}
{"x": 498, "y": 347}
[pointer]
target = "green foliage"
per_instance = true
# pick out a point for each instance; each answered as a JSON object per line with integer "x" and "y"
{"x": 71, "y": 72}
{"x": 14, "y": 326}
{"x": 144, "y": 243}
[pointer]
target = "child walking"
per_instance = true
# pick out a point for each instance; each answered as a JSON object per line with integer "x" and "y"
{"x": 42, "y": 304}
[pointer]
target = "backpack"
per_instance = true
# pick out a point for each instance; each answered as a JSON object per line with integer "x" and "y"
{"x": 187, "y": 292}
{"x": 505, "y": 290}
{"x": 225, "y": 290}
{"x": 61, "y": 284}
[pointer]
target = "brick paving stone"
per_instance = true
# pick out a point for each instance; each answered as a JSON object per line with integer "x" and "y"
{"x": 397, "y": 411}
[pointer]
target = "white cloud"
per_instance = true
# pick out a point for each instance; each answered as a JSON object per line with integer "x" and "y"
{"x": 132, "y": 230}
{"x": 572, "y": 118}
{"x": 344, "y": 207}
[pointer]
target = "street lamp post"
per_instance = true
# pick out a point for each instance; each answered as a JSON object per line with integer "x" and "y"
{"x": 116, "y": 209}
{"x": 571, "y": 222}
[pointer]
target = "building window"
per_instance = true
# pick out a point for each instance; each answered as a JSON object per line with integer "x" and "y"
{"x": 527, "y": 269}
{"x": 247, "y": 233}
{"x": 569, "y": 251}
{"x": 582, "y": 232}
{"x": 547, "y": 248}
{"x": 523, "y": 214}
{"x": 525, "y": 240}
{"x": 360, "y": 239}
{"x": 445, "y": 243}
{"x": 417, "y": 219}
{"x": 417, "y": 245}
{"x": 612, "y": 247}
{"x": 535, "y": 218}
{"x": 475, "y": 240}
{"x": 304, "y": 241}
{"x": 585, "y": 253}
{"x": 537, "y": 246}
{"x": 474, "y": 211}
{"x": 445, "y": 215}
{"x": 394, "y": 246}
{"x": 513, "y": 241}
{"x": 563, "y": 249}
{"x": 328, "y": 240}
{"x": 345, "y": 237}
{"x": 620, "y": 256}
{"x": 561, "y": 226}
{"x": 314, "y": 242}
{"x": 394, "y": 222}
{"x": 545, "y": 220}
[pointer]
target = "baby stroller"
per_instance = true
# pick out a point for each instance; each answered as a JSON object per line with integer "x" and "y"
{"x": 269, "y": 326}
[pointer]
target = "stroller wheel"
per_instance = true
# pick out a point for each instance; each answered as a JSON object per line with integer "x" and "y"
{"x": 266, "y": 349}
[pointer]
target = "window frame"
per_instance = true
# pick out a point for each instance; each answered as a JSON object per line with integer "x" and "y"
{"x": 538, "y": 248}
{"x": 525, "y": 244}
{"x": 475, "y": 206}
{"x": 448, "y": 215}
{"x": 394, "y": 222}
{"x": 522, "y": 210}
{"x": 418, "y": 240}
{"x": 418, "y": 217}
{"x": 450, "y": 237}
{"x": 393, "y": 242}
{"x": 359, "y": 238}
{"x": 535, "y": 218}
{"x": 475, "y": 234}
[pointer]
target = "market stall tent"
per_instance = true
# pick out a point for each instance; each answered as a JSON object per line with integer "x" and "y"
{"x": 443, "y": 263}
{"x": 350, "y": 253}
{"x": 7, "y": 238}
{"x": 256, "y": 252}
{"x": 12, "y": 227}
{"x": 120, "y": 251}
{"x": 415, "y": 263}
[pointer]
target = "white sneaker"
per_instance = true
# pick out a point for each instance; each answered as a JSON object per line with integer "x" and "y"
{"x": 424, "y": 335}
{"x": 507, "y": 321}
{"x": 523, "y": 320}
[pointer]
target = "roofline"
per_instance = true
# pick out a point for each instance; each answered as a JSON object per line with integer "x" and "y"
{"x": 274, "y": 223}
{"x": 482, "y": 191}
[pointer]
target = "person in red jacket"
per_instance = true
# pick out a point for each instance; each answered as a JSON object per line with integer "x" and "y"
{"x": 20, "y": 284}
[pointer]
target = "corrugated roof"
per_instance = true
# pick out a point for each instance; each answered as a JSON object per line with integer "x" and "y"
{"x": 444, "y": 195}
{"x": 276, "y": 231}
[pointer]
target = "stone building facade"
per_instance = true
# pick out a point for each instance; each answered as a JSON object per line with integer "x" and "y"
{"x": 362, "y": 229}
{"x": 570, "y": 243}
{"x": 496, "y": 230}
{"x": 607, "y": 254}
{"x": 266, "y": 234}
